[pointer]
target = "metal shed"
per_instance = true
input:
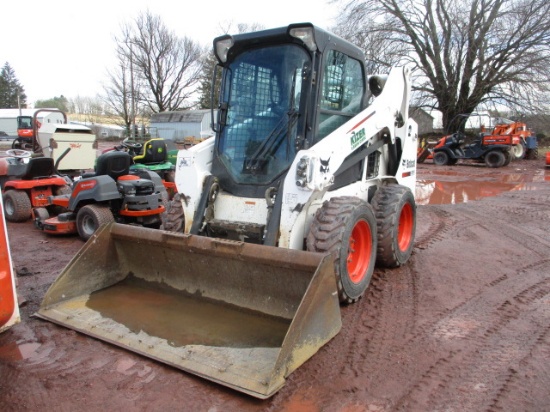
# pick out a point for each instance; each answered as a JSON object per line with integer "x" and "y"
{"x": 180, "y": 125}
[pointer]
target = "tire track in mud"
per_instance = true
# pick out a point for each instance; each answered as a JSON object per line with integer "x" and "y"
{"x": 373, "y": 332}
{"x": 442, "y": 371}
{"x": 486, "y": 338}
{"x": 533, "y": 367}
{"x": 438, "y": 224}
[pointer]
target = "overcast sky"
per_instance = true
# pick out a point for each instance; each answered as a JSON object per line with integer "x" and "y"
{"x": 65, "y": 47}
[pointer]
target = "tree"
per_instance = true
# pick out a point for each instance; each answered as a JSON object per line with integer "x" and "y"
{"x": 205, "y": 85}
{"x": 465, "y": 53}
{"x": 122, "y": 95}
{"x": 168, "y": 67}
{"x": 209, "y": 65}
{"x": 89, "y": 109}
{"x": 60, "y": 103}
{"x": 12, "y": 94}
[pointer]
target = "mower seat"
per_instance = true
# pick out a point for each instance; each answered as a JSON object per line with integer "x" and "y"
{"x": 154, "y": 151}
{"x": 113, "y": 164}
{"x": 39, "y": 167}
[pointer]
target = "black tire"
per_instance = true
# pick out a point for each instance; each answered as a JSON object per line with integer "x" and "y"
{"x": 532, "y": 154}
{"x": 441, "y": 158}
{"x": 339, "y": 224}
{"x": 17, "y": 206}
{"x": 90, "y": 218}
{"x": 395, "y": 211}
{"x": 40, "y": 214}
{"x": 173, "y": 218}
{"x": 507, "y": 158}
{"x": 495, "y": 158}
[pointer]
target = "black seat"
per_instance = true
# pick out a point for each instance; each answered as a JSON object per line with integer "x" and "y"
{"x": 39, "y": 167}
{"x": 113, "y": 164}
{"x": 154, "y": 151}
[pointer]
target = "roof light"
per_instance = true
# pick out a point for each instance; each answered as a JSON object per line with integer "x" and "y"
{"x": 221, "y": 48}
{"x": 306, "y": 35}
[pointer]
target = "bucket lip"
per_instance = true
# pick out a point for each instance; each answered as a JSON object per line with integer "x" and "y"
{"x": 230, "y": 249}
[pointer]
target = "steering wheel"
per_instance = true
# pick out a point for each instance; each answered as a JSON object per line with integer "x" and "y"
{"x": 130, "y": 145}
{"x": 18, "y": 153}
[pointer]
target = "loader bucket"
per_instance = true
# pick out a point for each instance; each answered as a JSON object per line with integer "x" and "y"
{"x": 239, "y": 314}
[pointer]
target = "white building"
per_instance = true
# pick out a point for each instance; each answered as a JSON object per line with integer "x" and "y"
{"x": 180, "y": 125}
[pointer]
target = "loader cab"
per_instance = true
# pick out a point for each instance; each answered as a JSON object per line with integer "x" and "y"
{"x": 282, "y": 90}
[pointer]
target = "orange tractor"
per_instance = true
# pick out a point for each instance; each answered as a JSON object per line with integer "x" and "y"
{"x": 517, "y": 134}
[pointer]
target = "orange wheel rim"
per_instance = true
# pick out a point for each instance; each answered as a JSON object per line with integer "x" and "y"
{"x": 360, "y": 251}
{"x": 405, "y": 230}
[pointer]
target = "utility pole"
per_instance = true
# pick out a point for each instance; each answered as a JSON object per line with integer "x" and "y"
{"x": 133, "y": 108}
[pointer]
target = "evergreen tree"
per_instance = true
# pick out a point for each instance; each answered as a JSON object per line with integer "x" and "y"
{"x": 60, "y": 103}
{"x": 205, "y": 85}
{"x": 11, "y": 89}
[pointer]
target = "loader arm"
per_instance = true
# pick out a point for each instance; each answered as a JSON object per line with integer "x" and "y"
{"x": 376, "y": 128}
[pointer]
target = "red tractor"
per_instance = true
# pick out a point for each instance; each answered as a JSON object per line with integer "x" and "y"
{"x": 517, "y": 134}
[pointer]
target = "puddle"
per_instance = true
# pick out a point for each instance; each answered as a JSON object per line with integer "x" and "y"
{"x": 16, "y": 352}
{"x": 464, "y": 189}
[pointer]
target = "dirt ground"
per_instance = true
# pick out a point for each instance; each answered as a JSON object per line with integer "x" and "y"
{"x": 465, "y": 326}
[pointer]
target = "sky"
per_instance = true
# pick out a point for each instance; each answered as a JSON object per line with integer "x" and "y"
{"x": 65, "y": 47}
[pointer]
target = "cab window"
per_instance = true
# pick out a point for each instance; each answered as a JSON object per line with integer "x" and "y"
{"x": 342, "y": 91}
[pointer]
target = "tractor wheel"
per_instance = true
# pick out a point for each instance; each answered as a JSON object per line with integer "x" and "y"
{"x": 532, "y": 154}
{"x": 507, "y": 158}
{"x": 518, "y": 151}
{"x": 441, "y": 158}
{"x": 173, "y": 217}
{"x": 495, "y": 158}
{"x": 346, "y": 226}
{"x": 395, "y": 211}
{"x": 17, "y": 206}
{"x": 90, "y": 218}
{"x": 40, "y": 215}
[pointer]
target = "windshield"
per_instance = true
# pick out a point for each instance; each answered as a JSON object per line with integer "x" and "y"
{"x": 262, "y": 92}
{"x": 24, "y": 122}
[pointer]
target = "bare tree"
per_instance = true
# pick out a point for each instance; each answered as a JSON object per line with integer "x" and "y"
{"x": 464, "y": 52}
{"x": 209, "y": 65}
{"x": 120, "y": 95}
{"x": 168, "y": 66}
{"x": 89, "y": 109}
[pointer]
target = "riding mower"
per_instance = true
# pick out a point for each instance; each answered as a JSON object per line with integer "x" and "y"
{"x": 153, "y": 155}
{"x": 110, "y": 194}
{"x": 27, "y": 184}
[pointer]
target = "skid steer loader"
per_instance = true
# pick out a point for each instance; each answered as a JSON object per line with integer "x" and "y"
{"x": 308, "y": 182}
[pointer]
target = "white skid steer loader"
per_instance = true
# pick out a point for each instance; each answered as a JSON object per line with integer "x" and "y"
{"x": 308, "y": 182}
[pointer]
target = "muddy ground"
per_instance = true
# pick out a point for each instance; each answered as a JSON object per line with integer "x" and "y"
{"x": 465, "y": 326}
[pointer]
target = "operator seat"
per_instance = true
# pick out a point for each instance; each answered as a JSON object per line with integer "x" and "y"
{"x": 113, "y": 164}
{"x": 39, "y": 167}
{"x": 154, "y": 151}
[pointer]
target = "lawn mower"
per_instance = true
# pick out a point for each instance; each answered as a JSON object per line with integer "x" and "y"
{"x": 27, "y": 184}
{"x": 110, "y": 194}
